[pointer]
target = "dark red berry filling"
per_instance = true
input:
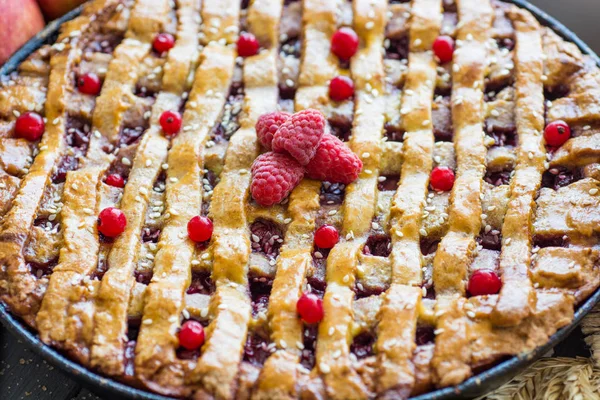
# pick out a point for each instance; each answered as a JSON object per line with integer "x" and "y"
{"x": 558, "y": 177}
{"x": 332, "y": 193}
{"x": 491, "y": 240}
{"x": 260, "y": 290}
{"x": 361, "y": 292}
{"x": 104, "y": 43}
{"x": 394, "y": 133}
{"x": 130, "y": 135}
{"x": 378, "y": 245}
{"x": 497, "y": 178}
{"x": 257, "y": 349}
{"x": 441, "y": 116}
{"x": 398, "y": 49}
{"x": 362, "y": 345}
{"x": 390, "y": 183}
{"x": 342, "y": 128}
{"x": 201, "y": 283}
{"x": 266, "y": 238}
{"x": 150, "y": 234}
{"x": 143, "y": 277}
{"x": 67, "y": 163}
{"x": 556, "y": 92}
{"x": 503, "y": 138}
{"x": 307, "y": 359}
{"x": 424, "y": 335}
{"x": 428, "y": 246}
{"x": 40, "y": 270}
{"x": 551, "y": 241}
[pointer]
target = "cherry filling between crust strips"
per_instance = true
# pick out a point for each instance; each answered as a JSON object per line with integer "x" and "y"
{"x": 310, "y": 308}
{"x": 163, "y": 42}
{"x": 326, "y": 237}
{"x": 200, "y": 228}
{"x": 247, "y": 45}
{"x": 191, "y": 335}
{"x": 170, "y": 122}
{"x": 111, "y": 222}
{"x": 344, "y": 43}
{"x": 29, "y": 126}
{"x": 484, "y": 282}
{"x": 557, "y": 133}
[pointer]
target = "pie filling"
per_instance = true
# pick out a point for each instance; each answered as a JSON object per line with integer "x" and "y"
{"x": 470, "y": 235}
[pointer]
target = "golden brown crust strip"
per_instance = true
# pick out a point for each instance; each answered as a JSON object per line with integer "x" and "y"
{"x": 398, "y": 315}
{"x": 164, "y": 297}
{"x": 454, "y": 253}
{"x": 278, "y": 376}
{"x": 517, "y": 297}
{"x": 21, "y": 292}
{"x": 218, "y": 366}
{"x": 263, "y": 21}
{"x": 334, "y": 338}
{"x": 456, "y": 250}
{"x": 220, "y": 21}
{"x": 112, "y": 299}
{"x": 78, "y": 259}
{"x": 122, "y": 75}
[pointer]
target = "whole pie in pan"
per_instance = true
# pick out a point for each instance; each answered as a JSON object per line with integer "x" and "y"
{"x": 453, "y": 218}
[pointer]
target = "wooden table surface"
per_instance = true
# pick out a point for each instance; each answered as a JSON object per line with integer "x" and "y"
{"x": 24, "y": 375}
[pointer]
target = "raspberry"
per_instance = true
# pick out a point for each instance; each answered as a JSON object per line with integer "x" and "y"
{"x": 274, "y": 176}
{"x": 300, "y": 135}
{"x": 268, "y": 124}
{"x": 334, "y": 162}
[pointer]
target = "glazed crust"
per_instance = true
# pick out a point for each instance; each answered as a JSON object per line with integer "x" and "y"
{"x": 399, "y": 320}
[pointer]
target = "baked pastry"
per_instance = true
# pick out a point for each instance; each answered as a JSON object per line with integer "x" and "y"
{"x": 397, "y": 318}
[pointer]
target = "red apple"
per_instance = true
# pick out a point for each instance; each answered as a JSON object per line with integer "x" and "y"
{"x": 55, "y": 8}
{"x": 19, "y": 21}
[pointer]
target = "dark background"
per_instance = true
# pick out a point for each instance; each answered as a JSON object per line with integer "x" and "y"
{"x": 581, "y": 16}
{"x": 23, "y": 375}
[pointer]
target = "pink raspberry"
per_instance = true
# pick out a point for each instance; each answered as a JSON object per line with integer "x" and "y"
{"x": 334, "y": 162}
{"x": 274, "y": 176}
{"x": 300, "y": 135}
{"x": 267, "y": 125}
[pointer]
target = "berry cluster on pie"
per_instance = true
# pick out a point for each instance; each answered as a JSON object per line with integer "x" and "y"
{"x": 275, "y": 199}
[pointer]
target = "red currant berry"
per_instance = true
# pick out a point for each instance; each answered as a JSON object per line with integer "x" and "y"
{"x": 89, "y": 84}
{"x": 341, "y": 88}
{"x": 191, "y": 335}
{"x": 163, "y": 42}
{"x": 310, "y": 308}
{"x": 115, "y": 180}
{"x": 557, "y": 133}
{"x": 247, "y": 45}
{"x": 344, "y": 43}
{"x": 484, "y": 281}
{"x": 443, "y": 48}
{"x": 200, "y": 228}
{"x": 111, "y": 222}
{"x": 29, "y": 126}
{"x": 170, "y": 122}
{"x": 326, "y": 237}
{"x": 442, "y": 179}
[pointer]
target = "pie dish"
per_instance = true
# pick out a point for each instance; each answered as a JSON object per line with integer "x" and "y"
{"x": 398, "y": 319}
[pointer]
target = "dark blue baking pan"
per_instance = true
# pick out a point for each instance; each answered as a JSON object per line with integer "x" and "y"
{"x": 475, "y": 386}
